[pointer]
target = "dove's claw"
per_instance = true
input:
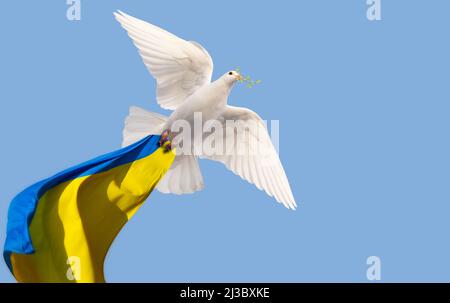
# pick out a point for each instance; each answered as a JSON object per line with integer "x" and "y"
{"x": 167, "y": 146}
{"x": 164, "y": 141}
{"x": 164, "y": 137}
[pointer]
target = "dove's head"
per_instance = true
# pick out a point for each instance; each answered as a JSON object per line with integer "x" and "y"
{"x": 231, "y": 77}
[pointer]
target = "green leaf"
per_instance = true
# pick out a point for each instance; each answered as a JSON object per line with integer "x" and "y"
{"x": 249, "y": 83}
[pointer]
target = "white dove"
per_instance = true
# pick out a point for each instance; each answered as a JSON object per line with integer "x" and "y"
{"x": 183, "y": 71}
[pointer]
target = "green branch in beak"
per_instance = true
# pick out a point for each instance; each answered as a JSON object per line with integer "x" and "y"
{"x": 250, "y": 83}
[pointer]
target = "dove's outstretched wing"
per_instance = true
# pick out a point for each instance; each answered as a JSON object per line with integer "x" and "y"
{"x": 249, "y": 153}
{"x": 180, "y": 67}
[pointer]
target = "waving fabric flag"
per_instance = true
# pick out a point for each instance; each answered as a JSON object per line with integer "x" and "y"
{"x": 60, "y": 229}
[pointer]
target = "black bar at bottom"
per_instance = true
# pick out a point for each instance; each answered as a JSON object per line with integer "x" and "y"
{"x": 219, "y": 292}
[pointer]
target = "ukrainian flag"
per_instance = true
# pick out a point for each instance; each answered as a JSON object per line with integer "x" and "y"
{"x": 60, "y": 229}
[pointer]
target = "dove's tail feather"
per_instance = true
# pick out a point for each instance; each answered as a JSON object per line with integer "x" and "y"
{"x": 184, "y": 176}
{"x": 140, "y": 123}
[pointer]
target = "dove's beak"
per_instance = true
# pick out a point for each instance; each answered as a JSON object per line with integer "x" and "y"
{"x": 239, "y": 78}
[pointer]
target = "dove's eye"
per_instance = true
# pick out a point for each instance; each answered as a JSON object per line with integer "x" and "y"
{"x": 230, "y": 73}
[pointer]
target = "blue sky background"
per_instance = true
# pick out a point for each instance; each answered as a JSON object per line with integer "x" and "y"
{"x": 364, "y": 127}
